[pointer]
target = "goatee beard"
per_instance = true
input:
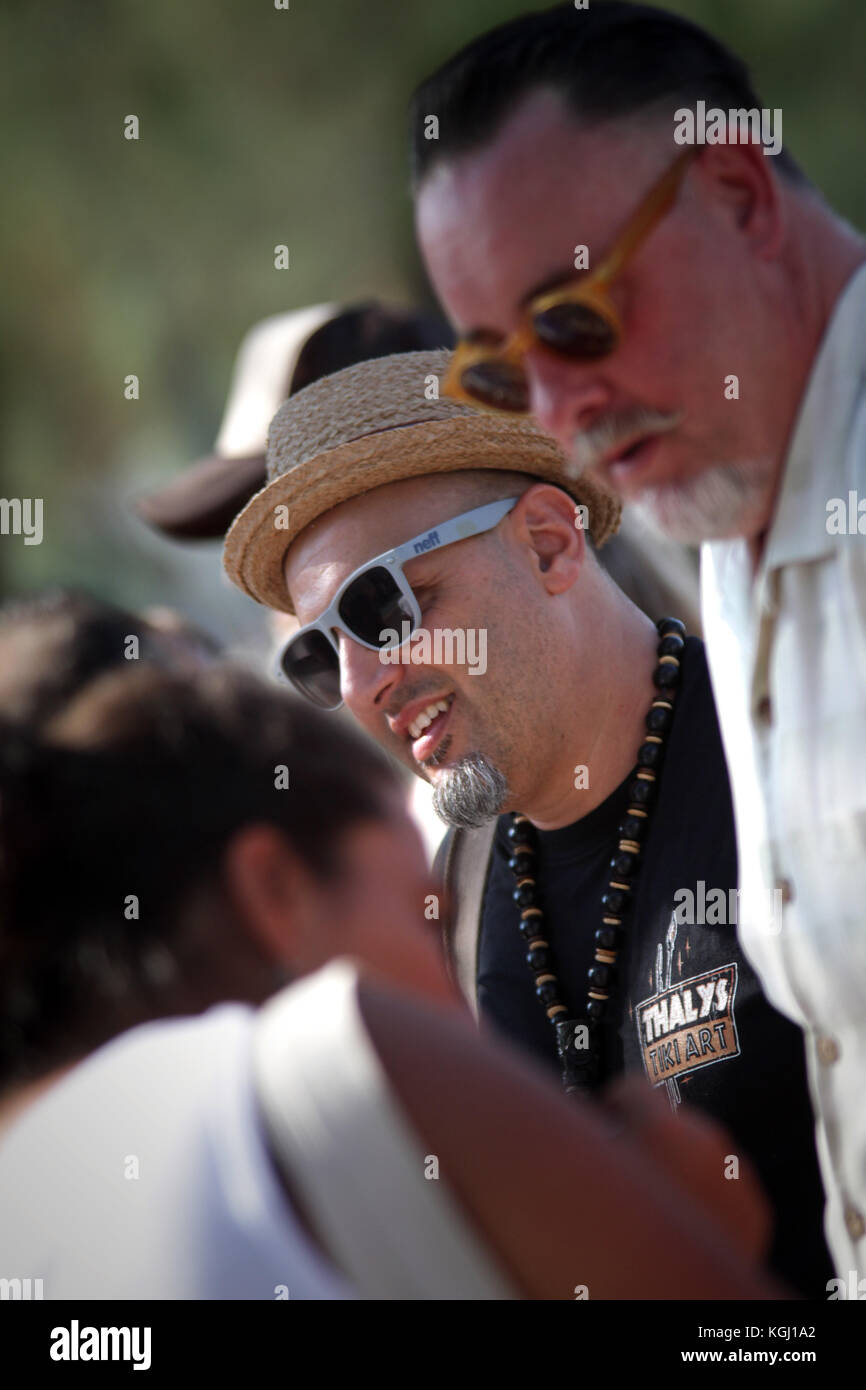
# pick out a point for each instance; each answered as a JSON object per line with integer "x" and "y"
{"x": 471, "y": 793}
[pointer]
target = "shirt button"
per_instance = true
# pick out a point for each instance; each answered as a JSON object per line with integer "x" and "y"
{"x": 828, "y": 1050}
{"x": 765, "y": 709}
{"x": 854, "y": 1223}
{"x": 785, "y": 889}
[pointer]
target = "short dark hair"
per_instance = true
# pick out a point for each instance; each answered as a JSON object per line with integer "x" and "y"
{"x": 136, "y": 789}
{"x": 611, "y": 60}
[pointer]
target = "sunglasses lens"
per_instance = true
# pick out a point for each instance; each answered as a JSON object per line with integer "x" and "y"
{"x": 312, "y": 665}
{"x": 576, "y": 330}
{"x": 500, "y": 385}
{"x": 372, "y": 603}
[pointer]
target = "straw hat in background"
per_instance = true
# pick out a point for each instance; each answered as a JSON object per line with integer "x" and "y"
{"x": 278, "y": 356}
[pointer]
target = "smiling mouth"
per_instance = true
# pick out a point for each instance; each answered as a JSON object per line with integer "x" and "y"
{"x": 428, "y": 728}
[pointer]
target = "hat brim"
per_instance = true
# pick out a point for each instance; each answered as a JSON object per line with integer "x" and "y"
{"x": 201, "y": 502}
{"x": 259, "y": 538}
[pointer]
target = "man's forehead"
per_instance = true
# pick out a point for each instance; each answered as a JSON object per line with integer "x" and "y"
{"x": 499, "y": 223}
{"x": 357, "y": 530}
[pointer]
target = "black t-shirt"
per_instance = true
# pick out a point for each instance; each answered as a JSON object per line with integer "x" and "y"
{"x": 687, "y": 1009}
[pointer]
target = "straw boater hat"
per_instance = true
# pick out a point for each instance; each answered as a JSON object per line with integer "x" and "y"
{"x": 373, "y": 424}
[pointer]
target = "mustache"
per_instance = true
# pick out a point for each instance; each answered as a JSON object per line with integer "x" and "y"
{"x": 401, "y": 700}
{"x": 590, "y": 447}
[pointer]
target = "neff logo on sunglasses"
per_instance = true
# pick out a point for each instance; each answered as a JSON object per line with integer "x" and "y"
{"x": 444, "y": 646}
{"x": 428, "y": 542}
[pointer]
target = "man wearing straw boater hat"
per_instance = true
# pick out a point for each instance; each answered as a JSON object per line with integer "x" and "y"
{"x": 284, "y": 353}
{"x": 442, "y": 565}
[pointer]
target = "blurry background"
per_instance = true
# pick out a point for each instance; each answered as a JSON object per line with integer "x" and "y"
{"x": 257, "y": 127}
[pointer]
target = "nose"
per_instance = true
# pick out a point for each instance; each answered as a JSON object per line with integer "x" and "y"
{"x": 565, "y": 397}
{"x": 364, "y": 676}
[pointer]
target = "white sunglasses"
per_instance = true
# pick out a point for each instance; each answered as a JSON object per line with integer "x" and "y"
{"x": 373, "y": 603}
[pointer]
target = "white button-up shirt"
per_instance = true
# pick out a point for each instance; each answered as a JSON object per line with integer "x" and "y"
{"x": 787, "y": 654}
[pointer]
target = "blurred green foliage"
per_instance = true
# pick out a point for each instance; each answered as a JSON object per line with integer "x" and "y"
{"x": 258, "y": 126}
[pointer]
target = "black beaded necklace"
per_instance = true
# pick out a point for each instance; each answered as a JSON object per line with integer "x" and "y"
{"x": 578, "y": 1040}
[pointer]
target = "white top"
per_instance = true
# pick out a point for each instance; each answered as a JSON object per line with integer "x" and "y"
{"x": 145, "y": 1173}
{"x": 787, "y": 655}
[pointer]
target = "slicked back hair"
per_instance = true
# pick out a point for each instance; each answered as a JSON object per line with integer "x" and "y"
{"x": 609, "y": 62}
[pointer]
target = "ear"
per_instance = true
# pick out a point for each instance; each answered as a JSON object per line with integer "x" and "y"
{"x": 741, "y": 182}
{"x": 273, "y": 895}
{"x": 548, "y": 523}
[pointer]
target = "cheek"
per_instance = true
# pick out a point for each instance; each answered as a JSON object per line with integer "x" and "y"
{"x": 396, "y": 942}
{"x": 677, "y": 338}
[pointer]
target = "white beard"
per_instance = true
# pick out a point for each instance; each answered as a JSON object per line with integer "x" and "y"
{"x": 725, "y": 500}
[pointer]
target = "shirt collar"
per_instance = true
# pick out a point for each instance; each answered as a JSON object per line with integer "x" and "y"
{"x": 815, "y": 466}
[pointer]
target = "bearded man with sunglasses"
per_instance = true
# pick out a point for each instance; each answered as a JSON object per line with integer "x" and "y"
{"x": 711, "y": 368}
{"x": 581, "y": 770}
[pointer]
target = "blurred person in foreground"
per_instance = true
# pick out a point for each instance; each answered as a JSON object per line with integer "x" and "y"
{"x": 445, "y": 571}
{"x": 159, "y": 1141}
{"x": 709, "y": 363}
{"x": 54, "y": 642}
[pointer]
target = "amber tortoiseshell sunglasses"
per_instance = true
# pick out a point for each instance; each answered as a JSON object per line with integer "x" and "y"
{"x": 577, "y": 319}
